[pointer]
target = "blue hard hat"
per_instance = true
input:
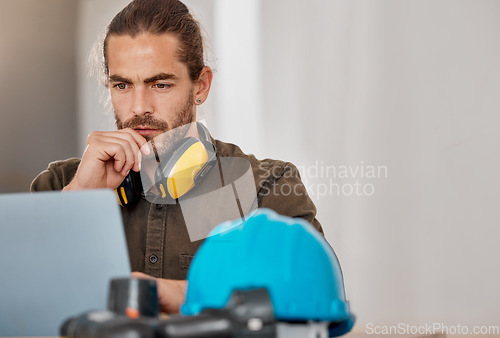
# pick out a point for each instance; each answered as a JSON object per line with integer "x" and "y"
{"x": 285, "y": 255}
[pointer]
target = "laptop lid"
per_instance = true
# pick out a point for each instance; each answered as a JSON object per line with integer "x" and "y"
{"x": 58, "y": 253}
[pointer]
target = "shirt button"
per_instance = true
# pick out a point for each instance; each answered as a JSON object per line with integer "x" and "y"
{"x": 159, "y": 206}
{"x": 153, "y": 259}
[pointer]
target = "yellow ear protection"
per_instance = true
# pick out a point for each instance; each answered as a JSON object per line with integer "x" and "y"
{"x": 188, "y": 163}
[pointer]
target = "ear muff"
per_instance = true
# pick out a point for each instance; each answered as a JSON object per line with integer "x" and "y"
{"x": 190, "y": 161}
{"x": 128, "y": 192}
{"x": 180, "y": 171}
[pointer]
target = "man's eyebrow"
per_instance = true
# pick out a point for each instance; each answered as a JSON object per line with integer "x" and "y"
{"x": 118, "y": 78}
{"x": 161, "y": 76}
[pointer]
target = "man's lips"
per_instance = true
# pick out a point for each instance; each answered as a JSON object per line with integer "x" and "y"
{"x": 146, "y": 131}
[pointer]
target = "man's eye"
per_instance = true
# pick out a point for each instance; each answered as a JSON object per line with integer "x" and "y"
{"x": 162, "y": 85}
{"x": 121, "y": 86}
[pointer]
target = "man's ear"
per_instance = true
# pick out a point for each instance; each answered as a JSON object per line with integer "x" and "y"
{"x": 202, "y": 85}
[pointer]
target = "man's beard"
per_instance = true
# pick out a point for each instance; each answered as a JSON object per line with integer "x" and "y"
{"x": 171, "y": 132}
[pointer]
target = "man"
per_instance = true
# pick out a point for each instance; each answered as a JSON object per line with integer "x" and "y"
{"x": 155, "y": 72}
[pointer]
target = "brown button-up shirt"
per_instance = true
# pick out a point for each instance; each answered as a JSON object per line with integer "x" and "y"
{"x": 157, "y": 237}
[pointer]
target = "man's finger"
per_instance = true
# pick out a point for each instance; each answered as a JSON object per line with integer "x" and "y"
{"x": 139, "y": 139}
{"x": 123, "y": 150}
{"x": 140, "y": 275}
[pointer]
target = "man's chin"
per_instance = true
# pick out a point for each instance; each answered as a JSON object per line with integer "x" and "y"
{"x": 151, "y": 137}
{"x": 164, "y": 141}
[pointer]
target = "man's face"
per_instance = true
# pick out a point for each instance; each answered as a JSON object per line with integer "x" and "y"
{"x": 151, "y": 90}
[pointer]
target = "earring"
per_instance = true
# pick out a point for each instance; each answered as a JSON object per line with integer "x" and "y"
{"x": 198, "y": 101}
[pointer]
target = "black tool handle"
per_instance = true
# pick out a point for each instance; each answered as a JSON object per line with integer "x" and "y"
{"x": 200, "y": 326}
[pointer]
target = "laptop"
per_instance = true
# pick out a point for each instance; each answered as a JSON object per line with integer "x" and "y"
{"x": 58, "y": 253}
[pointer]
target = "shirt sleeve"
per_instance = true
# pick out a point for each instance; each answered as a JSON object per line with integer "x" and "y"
{"x": 285, "y": 193}
{"x": 56, "y": 176}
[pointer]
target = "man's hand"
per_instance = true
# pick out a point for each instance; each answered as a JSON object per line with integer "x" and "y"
{"x": 171, "y": 293}
{"x": 108, "y": 158}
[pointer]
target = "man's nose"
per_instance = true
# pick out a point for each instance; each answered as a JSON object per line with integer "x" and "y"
{"x": 142, "y": 102}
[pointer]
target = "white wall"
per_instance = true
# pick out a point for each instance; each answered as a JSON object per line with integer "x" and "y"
{"x": 238, "y": 115}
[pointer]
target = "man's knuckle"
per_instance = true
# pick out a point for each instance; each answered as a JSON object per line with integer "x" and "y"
{"x": 93, "y": 135}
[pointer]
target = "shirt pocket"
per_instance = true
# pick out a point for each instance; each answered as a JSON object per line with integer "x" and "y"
{"x": 184, "y": 263}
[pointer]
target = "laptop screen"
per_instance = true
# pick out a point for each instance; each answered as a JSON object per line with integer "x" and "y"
{"x": 58, "y": 253}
